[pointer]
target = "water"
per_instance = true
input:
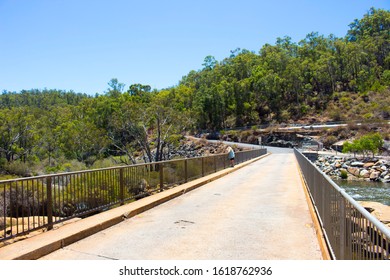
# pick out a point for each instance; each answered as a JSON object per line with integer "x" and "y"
{"x": 366, "y": 191}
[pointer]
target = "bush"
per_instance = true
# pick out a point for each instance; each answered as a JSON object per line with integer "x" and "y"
{"x": 343, "y": 174}
{"x": 73, "y": 165}
{"x": 371, "y": 142}
{"x": 18, "y": 168}
{"x": 103, "y": 163}
{"x": 329, "y": 140}
{"x": 3, "y": 162}
{"x": 336, "y": 115}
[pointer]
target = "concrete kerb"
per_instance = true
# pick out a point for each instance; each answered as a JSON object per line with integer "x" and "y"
{"x": 50, "y": 241}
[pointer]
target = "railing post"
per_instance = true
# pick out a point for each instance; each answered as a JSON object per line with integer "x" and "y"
{"x": 186, "y": 170}
{"x": 342, "y": 220}
{"x": 121, "y": 187}
{"x": 161, "y": 167}
{"x": 202, "y": 166}
{"x": 49, "y": 203}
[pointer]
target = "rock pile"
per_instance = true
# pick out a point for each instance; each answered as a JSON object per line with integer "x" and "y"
{"x": 370, "y": 170}
{"x": 197, "y": 148}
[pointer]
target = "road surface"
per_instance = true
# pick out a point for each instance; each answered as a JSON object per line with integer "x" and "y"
{"x": 257, "y": 212}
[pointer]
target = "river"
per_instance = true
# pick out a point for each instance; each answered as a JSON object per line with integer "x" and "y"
{"x": 366, "y": 191}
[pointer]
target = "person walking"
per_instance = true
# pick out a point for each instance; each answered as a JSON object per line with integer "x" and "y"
{"x": 231, "y": 156}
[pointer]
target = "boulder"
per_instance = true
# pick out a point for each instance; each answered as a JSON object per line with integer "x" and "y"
{"x": 368, "y": 164}
{"x": 327, "y": 170}
{"x": 378, "y": 210}
{"x": 357, "y": 164}
{"x": 379, "y": 163}
{"x": 354, "y": 171}
{"x": 375, "y": 175}
{"x": 364, "y": 173}
{"x": 337, "y": 164}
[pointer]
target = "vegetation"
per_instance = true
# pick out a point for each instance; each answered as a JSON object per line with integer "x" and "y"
{"x": 328, "y": 77}
{"x": 368, "y": 143}
{"x": 343, "y": 174}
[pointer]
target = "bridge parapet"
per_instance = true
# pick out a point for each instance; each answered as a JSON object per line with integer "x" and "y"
{"x": 40, "y": 202}
{"x": 350, "y": 230}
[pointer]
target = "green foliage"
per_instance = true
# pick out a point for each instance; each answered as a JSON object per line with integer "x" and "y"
{"x": 343, "y": 174}
{"x": 17, "y": 168}
{"x": 371, "y": 142}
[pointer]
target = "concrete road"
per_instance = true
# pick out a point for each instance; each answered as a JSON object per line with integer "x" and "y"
{"x": 257, "y": 212}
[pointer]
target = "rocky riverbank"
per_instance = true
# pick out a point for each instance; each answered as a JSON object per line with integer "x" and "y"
{"x": 353, "y": 169}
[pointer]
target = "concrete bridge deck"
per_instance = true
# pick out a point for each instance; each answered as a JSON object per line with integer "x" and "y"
{"x": 256, "y": 212}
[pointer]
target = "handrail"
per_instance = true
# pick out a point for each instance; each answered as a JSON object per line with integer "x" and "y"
{"x": 352, "y": 232}
{"x": 105, "y": 168}
{"x": 32, "y": 203}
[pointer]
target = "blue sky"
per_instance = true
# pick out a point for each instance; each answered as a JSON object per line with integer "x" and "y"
{"x": 80, "y": 45}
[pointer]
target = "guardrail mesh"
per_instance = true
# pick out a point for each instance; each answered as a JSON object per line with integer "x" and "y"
{"x": 352, "y": 233}
{"x": 29, "y": 204}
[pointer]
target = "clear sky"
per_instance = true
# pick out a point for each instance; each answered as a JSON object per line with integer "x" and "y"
{"x": 81, "y": 45}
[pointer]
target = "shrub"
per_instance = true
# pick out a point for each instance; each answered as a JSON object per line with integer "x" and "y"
{"x": 336, "y": 114}
{"x": 371, "y": 142}
{"x": 343, "y": 174}
{"x": 103, "y": 163}
{"x": 329, "y": 140}
{"x": 18, "y": 168}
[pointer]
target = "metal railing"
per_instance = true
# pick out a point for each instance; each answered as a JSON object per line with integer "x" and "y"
{"x": 29, "y": 204}
{"x": 351, "y": 232}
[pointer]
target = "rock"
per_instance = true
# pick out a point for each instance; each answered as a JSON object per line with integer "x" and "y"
{"x": 379, "y": 162}
{"x": 364, "y": 173}
{"x": 378, "y": 210}
{"x": 375, "y": 175}
{"x": 328, "y": 170}
{"x": 357, "y": 163}
{"x": 377, "y": 168}
{"x": 368, "y": 164}
{"x": 354, "y": 171}
{"x": 383, "y": 168}
{"x": 337, "y": 164}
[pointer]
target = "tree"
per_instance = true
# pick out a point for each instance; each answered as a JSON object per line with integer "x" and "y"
{"x": 17, "y": 133}
{"x": 83, "y": 141}
{"x": 124, "y": 130}
{"x": 209, "y": 62}
{"x": 115, "y": 88}
{"x": 372, "y": 33}
{"x": 371, "y": 142}
{"x": 50, "y": 131}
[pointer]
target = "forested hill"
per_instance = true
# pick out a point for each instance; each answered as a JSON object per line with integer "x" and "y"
{"x": 318, "y": 77}
{"x": 288, "y": 80}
